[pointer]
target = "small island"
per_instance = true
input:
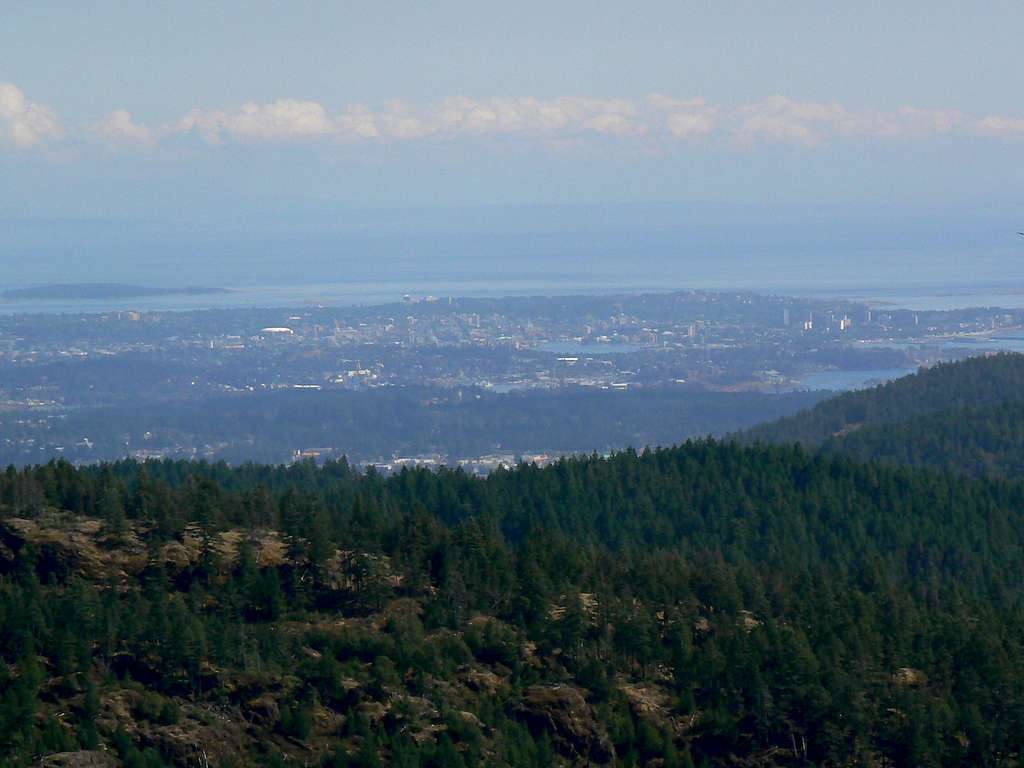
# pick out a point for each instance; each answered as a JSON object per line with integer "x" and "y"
{"x": 103, "y": 291}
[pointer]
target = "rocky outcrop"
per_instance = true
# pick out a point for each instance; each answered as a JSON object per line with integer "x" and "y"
{"x": 254, "y": 705}
{"x": 264, "y": 710}
{"x": 483, "y": 680}
{"x": 64, "y": 545}
{"x": 908, "y": 677}
{"x": 80, "y": 759}
{"x": 563, "y": 711}
{"x": 192, "y": 742}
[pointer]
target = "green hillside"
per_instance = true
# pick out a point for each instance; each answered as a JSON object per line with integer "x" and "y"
{"x": 966, "y": 416}
{"x": 986, "y": 440}
{"x": 701, "y": 605}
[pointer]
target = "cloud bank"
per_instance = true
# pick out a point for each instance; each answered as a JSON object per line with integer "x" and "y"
{"x": 655, "y": 122}
{"x": 119, "y": 127}
{"x": 25, "y": 123}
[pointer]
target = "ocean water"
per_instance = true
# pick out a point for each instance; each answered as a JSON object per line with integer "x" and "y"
{"x": 842, "y": 381}
{"x": 355, "y": 292}
{"x": 1003, "y": 342}
{"x": 392, "y": 289}
{"x": 889, "y": 255}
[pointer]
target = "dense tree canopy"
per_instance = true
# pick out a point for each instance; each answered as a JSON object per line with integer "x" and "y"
{"x": 383, "y": 422}
{"x": 965, "y": 417}
{"x": 784, "y": 608}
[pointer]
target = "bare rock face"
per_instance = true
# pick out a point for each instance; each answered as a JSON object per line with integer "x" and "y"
{"x": 264, "y": 710}
{"x": 562, "y": 710}
{"x": 482, "y": 680}
{"x": 193, "y": 743}
{"x": 80, "y": 759}
{"x": 65, "y": 544}
{"x": 652, "y": 703}
{"x": 908, "y": 677}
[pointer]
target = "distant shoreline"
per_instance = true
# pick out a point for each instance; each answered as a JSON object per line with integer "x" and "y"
{"x": 103, "y": 291}
{"x": 72, "y": 298}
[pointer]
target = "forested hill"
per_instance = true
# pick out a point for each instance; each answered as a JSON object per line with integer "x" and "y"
{"x": 981, "y": 441}
{"x": 382, "y": 422}
{"x": 701, "y": 605}
{"x": 965, "y": 416}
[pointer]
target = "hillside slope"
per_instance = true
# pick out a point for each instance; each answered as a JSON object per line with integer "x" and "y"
{"x": 981, "y": 441}
{"x": 706, "y": 604}
{"x": 965, "y": 416}
{"x": 380, "y": 423}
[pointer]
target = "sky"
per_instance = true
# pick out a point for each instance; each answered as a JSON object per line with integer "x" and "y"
{"x": 288, "y": 117}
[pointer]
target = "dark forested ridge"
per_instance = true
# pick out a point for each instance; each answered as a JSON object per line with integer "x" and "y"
{"x": 966, "y": 417}
{"x": 706, "y": 604}
{"x": 987, "y": 440}
{"x": 380, "y": 423}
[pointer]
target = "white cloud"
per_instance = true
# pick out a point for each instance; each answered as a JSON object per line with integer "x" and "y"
{"x": 912, "y": 122}
{"x": 119, "y": 127}
{"x": 687, "y": 125}
{"x": 25, "y": 123}
{"x": 357, "y": 122}
{"x": 612, "y": 124}
{"x": 400, "y": 121}
{"x": 656, "y": 123}
{"x": 782, "y": 120}
{"x": 778, "y": 119}
{"x": 278, "y": 120}
{"x": 527, "y": 116}
{"x": 658, "y": 120}
{"x": 999, "y": 127}
{"x": 685, "y": 118}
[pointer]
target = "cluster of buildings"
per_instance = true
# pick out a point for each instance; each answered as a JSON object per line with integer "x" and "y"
{"x": 53, "y": 364}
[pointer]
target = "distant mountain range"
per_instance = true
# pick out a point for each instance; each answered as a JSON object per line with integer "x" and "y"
{"x": 103, "y": 291}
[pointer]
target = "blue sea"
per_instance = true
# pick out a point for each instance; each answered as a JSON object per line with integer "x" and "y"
{"x": 888, "y": 255}
{"x": 388, "y": 290}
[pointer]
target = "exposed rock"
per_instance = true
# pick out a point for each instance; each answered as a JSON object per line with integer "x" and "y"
{"x": 66, "y": 544}
{"x": 69, "y": 544}
{"x": 373, "y": 710}
{"x": 176, "y": 556}
{"x": 80, "y": 759}
{"x": 562, "y": 710}
{"x": 908, "y": 677}
{"x": 271, "y": 551}
{"x": 194, "y": 743}
{"x": 264, "y": 710}
{"x": 472, "y": 719}
{"x": 647, "y": 700}
{"x": 483, "y": 680}
{"x": 326, "y": 721}
{"x": 749, "y": 621}
{"x": 227, "y": 545}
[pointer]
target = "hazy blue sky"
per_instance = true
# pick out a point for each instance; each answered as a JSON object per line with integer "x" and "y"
{"x": 203, "y": 111}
